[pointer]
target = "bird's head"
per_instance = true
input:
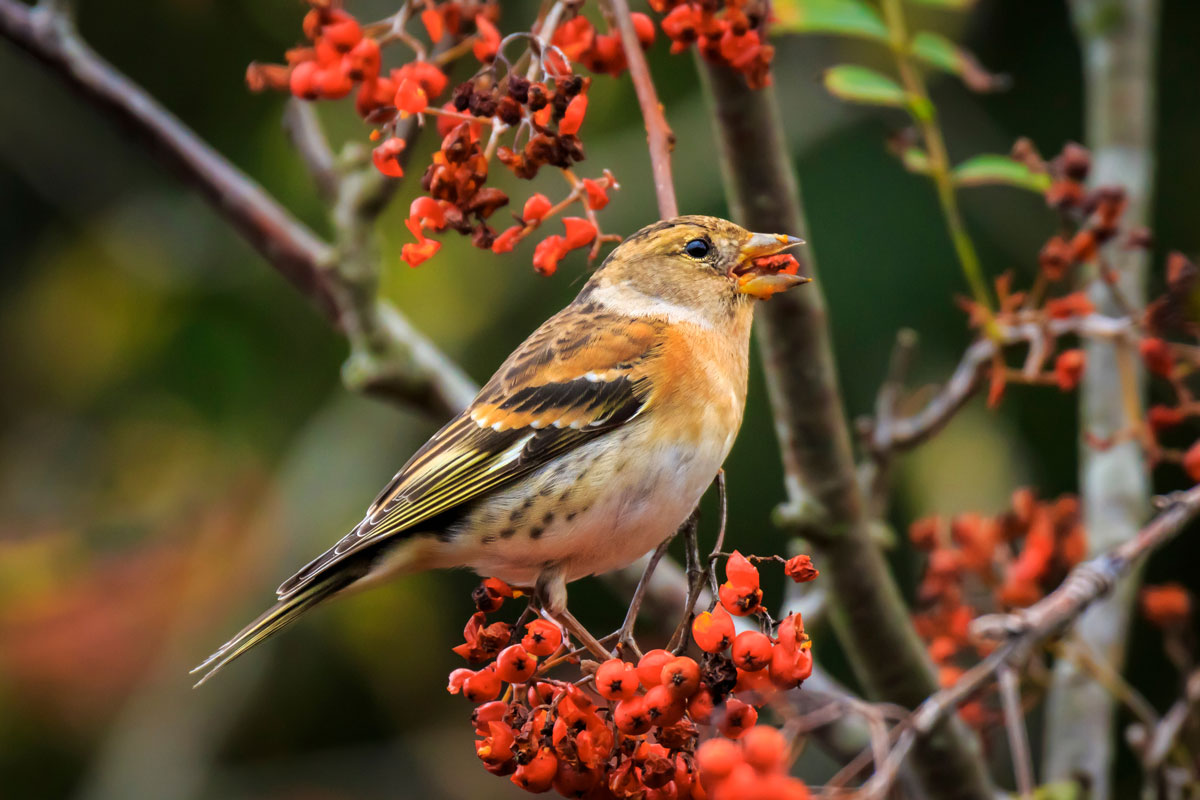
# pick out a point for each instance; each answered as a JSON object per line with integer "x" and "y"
{"x": 700, "y": 262}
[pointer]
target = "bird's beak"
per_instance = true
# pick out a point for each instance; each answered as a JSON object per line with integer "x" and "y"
{"x": 762, "y": 271}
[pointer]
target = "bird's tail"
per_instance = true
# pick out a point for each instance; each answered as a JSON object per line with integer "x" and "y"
{"x": 273, "y": 620}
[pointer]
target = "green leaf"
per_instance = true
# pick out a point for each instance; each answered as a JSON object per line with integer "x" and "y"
{"x": 844, "y": 17}
{"x": 951, "y": 5}
{"x": 861, "y": 85}
{"x": 991, "y": 169}
{"x": 939, "y": 52}
{"x": 915, "y": 160}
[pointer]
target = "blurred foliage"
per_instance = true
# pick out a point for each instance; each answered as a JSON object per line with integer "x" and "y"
{"x": 175, "y": 438}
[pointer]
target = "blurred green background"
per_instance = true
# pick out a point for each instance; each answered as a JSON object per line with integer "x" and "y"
{"x": 175, "y": 439}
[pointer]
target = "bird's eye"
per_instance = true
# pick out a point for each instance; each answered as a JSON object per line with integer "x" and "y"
{"x": 696, "y": 248}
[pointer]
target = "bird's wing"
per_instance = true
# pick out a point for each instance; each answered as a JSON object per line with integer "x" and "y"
{"x": 578, "y": 376}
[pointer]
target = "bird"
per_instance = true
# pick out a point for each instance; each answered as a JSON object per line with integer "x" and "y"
{"x": 591, "y": 444}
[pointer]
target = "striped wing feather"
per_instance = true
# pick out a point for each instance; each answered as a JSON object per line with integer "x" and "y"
{"x": 575, "y": 378}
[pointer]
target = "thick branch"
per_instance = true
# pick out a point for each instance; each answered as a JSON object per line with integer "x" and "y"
{"x": 658, "y": 133}
{"x": 1118, "y": 66}
{"x": 867, "y": 609}
{"x": 1022, "y": 631}
{"x": 416, "y": 372}
{"x": 291, "y": 247}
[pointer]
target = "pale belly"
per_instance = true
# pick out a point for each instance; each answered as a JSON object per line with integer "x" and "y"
{"x": 612, "y": 501}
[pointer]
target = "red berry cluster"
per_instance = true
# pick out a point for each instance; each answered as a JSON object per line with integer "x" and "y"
{"x": 1009, "y": 561}
{"x": 732, "y": 33}
{"x": 631, "y": 730}
{"x": 752, "y": 767}
{"x": 341, "y": 56}
{"x": 602, "y": 53}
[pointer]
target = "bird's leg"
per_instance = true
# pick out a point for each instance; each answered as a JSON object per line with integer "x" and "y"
{"x": 697, "y": 575}
{"x": 551, "y": 595}
{"x": 625, "y": 632}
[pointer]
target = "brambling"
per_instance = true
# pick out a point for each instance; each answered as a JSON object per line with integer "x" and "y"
{"x": 590, "y": 445}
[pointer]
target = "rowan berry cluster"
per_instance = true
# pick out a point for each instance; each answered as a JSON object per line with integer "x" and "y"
{"x": 1091, "y": 224}
{"x": 631, "y": 729}
{"x": 732, "y": 33}
{"x": 532, "y": 107}
{"x": 983, "y": 564}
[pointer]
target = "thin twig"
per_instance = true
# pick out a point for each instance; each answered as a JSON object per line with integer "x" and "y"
{"x": 1018, "y": 737}
{"x": 303, "y": 129}
{"x": 892, "y": 433}
{"x": 658, "y": 133}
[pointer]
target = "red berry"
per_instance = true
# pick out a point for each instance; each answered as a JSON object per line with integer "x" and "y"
{"x": 663, "y": 707}
{"x": 1164, "y": 417}
{"x": 700, "y": 707}
{"x": 713, "y": 631}
{"x": 537, "y": 775}
{"x": 580, "y": 232}
{"x": 547, "y": 254}
{"x": 754, "y": 687}
{"x": 1157, "y": 356}
{"x": 573, "y": 117}
{"x": 740, "y": 572}
{"x": 386, "y": 157}
{"x": 542, "y": 637}
{"x": 764, "y": 748}
{"x": 644, "y": 27}
{"x": 631, "y": 716}
{"x": 482, "y": 686}
{"x": 751, "y": 650}
{"x": 303, "y": 81}
{"x": 597, "y": 195}
{"x": 536, "y": 207}
{"x": 1068, "y": 369}
{"x": 716, "y": 758}
{"x": 616, "y": 680}
{"x": 1191, "y": 462}
{"x": 649, "y": 669}
{"x": 362, "y": 62}
{"x": 575, "y": 780}
{"x": 738, "y": 717}
{"x": 515, "y": 665}
{"x": 343, "y": 34}
{"x": 739, "y": 600}
{"x": 681, "y": 676}
{"x": 790, "y": 665}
